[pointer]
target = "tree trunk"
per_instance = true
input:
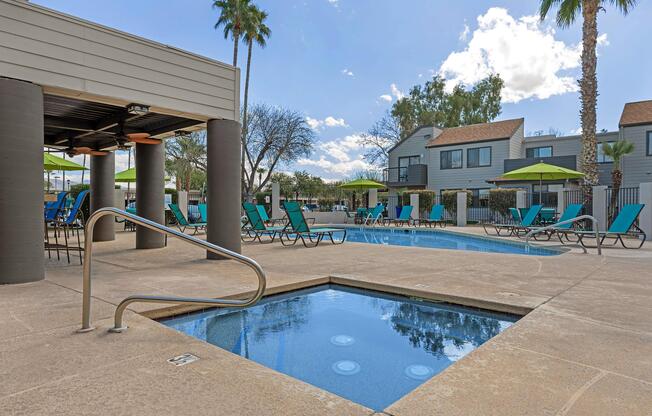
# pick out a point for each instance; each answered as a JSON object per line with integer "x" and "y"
{"x": 616, "y": 181}
{"x": 244, "y": 115}
{"x": 236, "y": 38}
{"x": 588, "y": 95}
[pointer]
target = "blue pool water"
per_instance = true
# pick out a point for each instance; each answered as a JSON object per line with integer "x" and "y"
{"x": 443, "y": 239}
{"x": 368, "y": 347}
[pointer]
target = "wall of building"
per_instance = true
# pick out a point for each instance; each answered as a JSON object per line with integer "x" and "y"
{"x": 72, "y": 57}
{"x": 637, "y": 167}
{"x": 469, "y": 178}
{"x": 516, "y": 143}
{"x": 413, "y": 146}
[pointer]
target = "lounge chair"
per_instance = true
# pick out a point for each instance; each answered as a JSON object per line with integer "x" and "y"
{"x": 272, "y": 221}
{"x": 404, "y": 218}
{"x": 571, "y": 211}
{"x": 73, "y": 221}
{"x": 521, "y": 226}
{"x": 622, "y": 225}
{"x": 435, "y": 218}
{"x": 52, "y": 212}
{"x": 375, "y": 215}
{"x": 183, "y": 223}
{"x": 255, "y": 227}
{"x": 203, "y": 212}
{"x": 298, "y": 228}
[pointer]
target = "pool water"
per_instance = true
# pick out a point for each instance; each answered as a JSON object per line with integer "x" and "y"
{"x": 443, "y": 239}
{"x": 368, "y": 347}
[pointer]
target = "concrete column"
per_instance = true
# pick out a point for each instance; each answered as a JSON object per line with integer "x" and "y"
{"x": 414, "y": 201}
{"x": 276, "y": 200}
{"x": 373, "y": 198}
{"x": 21, "y": 182}
{"x": 561, "y": 201}
{"x": 392, "y": 203}
{"x": 600, "y": 206}
{"x": 521, "y": 199}
{"x": 645, "y": 219}
{"x": 182, "y": 202}
{"x": 150, "y": 192}
{"x": 119, "y": 199}
{"x": 103, "y": 194}
{"x": 461, "y": 209}
{"x": 223, "y": 177}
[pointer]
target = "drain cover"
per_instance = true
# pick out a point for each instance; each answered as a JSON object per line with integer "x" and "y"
{"x": 346, "y": 367}
{"x": 419, "y": 372}
{"x": 342, "y": 340}
{"x": 183, "y": 359}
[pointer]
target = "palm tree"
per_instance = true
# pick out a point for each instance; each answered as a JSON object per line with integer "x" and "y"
{"x": 566, "y": 15}
{"x": 616, "y": 152}
{"x": 233, "y": 13}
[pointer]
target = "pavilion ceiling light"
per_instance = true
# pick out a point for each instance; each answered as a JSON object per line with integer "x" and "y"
{"x": 138, "y": 109}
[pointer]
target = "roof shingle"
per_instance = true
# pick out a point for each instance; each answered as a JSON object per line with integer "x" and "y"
{"x": 477, "y": 132}
{"x": 636, "y": 114}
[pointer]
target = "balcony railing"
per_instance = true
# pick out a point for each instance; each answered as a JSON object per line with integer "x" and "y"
{"x": 406, "y": 176}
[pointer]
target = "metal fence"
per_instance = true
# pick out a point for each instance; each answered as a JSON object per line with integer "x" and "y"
{"x": 547, "y": 199}
{"x": 615, "y": 201}
{"x": 578, "y": 196}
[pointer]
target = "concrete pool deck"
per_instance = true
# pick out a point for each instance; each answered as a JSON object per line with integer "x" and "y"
{"x": 584, "y": 348}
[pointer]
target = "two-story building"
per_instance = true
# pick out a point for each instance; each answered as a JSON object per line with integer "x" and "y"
{"x": 474, "y": 157}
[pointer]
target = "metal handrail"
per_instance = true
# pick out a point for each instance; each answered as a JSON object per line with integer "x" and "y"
{"x": 570, "y": 221}
{"x": 154, "y": 226}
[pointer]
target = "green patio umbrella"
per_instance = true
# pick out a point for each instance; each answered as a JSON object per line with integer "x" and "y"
{"x": 52, "y": 162}
{"x": 542, "y": 171}
{"x": 129, "y": 175}
{"x": 362, "y": 184}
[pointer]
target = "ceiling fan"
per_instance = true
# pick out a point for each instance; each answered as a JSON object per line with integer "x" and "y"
{"x": 72, "y": 150}
{"x": 123, "y": 139}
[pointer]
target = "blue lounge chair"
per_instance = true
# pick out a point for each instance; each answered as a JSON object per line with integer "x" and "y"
{"x": 435, "y": 218}
{"x": 183, "y": 223}
{"x": 255, "y": 227}
{"x": 54, "y": 209}
{"x": 571, "y": 211}
{"x": 375, "y": 215}
{"x": 520, "y": 227}
{"x": 623, "y": 225}
{"x": 298, "y": 228}
{"x": 404, "y": 218}
{"x": 73, "y": 221}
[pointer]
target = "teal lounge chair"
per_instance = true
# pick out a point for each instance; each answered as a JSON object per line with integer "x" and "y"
{"x": 435, "y": 218}
{"x": 571, "y": 211}
{"x": 520, "y": 227}
{"x": 404, "y": 218}
{"x": 255, "y": 227}
{"x": 298, "y": 228}
{"x": 375, "y": 215}
{"x": 623, "y": 225}
{"x": 182, "y": 222}
{"x": 203, "y": 212}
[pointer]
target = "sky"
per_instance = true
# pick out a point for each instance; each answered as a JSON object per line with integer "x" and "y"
{"x": 342, "y": 63}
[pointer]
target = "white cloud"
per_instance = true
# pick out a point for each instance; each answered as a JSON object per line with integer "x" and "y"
{"x": 524, "y": 52}
{"x": 398, "y": 94}
{"x": 386, "y": 97}
{"x": 330, "y": 121}
{"x": 334, "y": 3}
{"x": 464, "y": 35}
{"x": 347, "y": 72}
{"x": 339, "y": 157}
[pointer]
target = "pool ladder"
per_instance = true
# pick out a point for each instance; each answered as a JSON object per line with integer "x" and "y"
{"x": 154, "y": 226}
{"x": 570, "y": 221}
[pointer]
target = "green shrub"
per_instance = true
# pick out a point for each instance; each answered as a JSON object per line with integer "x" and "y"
{"x": 426, "y": 199}
{"x": 501, "y": 200}
{"x": 449, "y": 200}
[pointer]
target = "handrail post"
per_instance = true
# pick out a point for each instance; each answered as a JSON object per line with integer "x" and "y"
{"x": 210, "y": 302}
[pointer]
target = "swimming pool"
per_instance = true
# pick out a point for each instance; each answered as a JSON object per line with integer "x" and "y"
{"x": 369, "y": 347}
{"x": 443, "y": 239}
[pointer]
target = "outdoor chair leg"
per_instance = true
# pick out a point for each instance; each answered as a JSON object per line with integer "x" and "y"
{"x": 65, "y": 235}
{"x": 79, "y": 247}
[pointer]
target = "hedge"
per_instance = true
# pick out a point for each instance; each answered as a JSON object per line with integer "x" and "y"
{"x": 426, "y": 199}
{"x": 501, "y": 200}
{"x": 449, "y": 200}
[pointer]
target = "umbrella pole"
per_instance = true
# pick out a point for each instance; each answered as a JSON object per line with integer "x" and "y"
{"x": 540, "y": 188}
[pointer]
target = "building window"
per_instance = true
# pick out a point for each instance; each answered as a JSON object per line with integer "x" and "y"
{"x": 480, "y": 198}
{"x": 403, "y": 163}
{"x": 450, "y": 159}
{"x": 544, "y": 151}
{"x": 478, "y": 157}
{"x": 648, "y": 147}
{"x": 601, "y": 157}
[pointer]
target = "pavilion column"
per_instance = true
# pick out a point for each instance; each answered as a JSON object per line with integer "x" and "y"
{"x": 223, "y": 178}
{"x": 103, "y": 194}
{"x": 21, "y": 182}
{"x": 150, "y": 192}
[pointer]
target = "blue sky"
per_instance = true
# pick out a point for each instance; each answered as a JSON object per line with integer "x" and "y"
{"x": 343, "y": 62}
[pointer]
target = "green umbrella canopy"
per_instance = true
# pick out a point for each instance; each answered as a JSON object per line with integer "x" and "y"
{"x": 542, "y": 171}
{"x": 129, "y": 175}
{"x": 362, "y": 184}
{"x": 52, "y": 162}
